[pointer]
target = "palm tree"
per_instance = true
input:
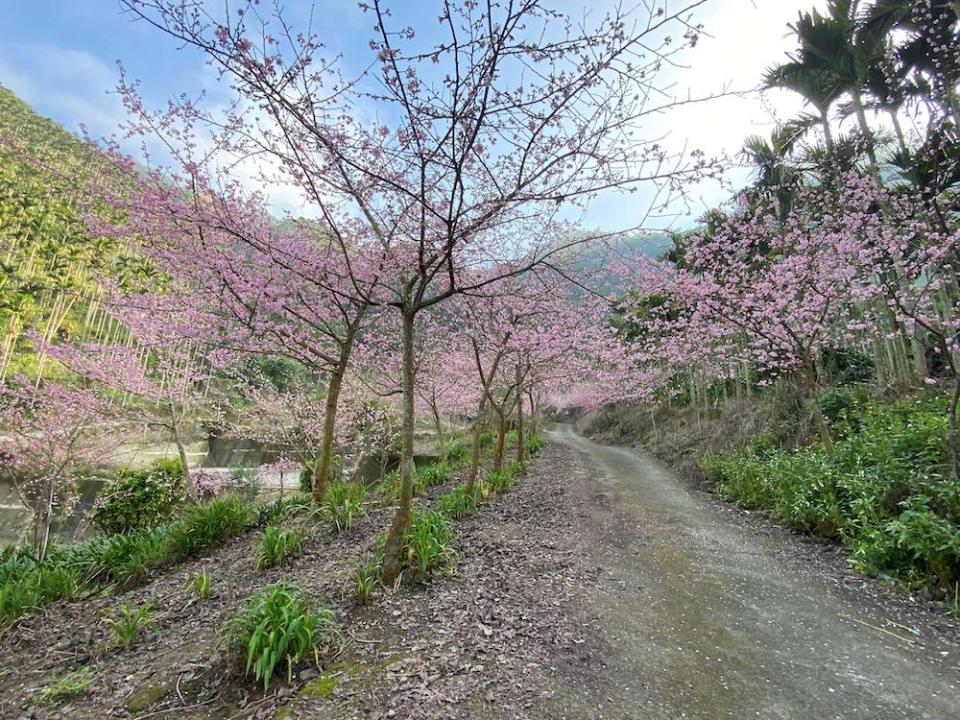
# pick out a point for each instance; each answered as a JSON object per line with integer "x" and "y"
{"x": 835, "y": 57}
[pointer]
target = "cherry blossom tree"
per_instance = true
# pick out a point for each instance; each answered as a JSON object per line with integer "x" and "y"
{"x": 48, "y": 436}
{"x": 482, "y": 137}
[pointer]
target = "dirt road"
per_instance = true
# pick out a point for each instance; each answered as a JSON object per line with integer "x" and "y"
{"x": 706, "y": 618}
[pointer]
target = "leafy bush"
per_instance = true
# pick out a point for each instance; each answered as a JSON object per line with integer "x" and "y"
{"x": 501, "y": 480}
{"x": 883, "y": 494}
{"x": 428, "y": 546}
{"x": 139, "y": 499}
{"x": 456, "y": 451}
{"x": 207, "y": 527}
{"x": 433, "y": 475}
{"x": 129, "y": 623}
{"x": 278, "y": 625}
{"x": 278, "y": 546}
{"x": 457, "y": 503}
{"x": 344, "y": 504}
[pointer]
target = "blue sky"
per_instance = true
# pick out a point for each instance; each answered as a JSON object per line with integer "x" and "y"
{"x": 60, "y": 56}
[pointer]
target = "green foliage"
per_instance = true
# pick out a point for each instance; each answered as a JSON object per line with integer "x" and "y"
{"x": 70, "y": 686}
{"x": 883, "y": 494}
{"x": 456, "y": 451}
{"x": 367, "y": 577}
{"x": 138, "y": 499}
{"x": 207, "y": 527}
{"x": 129, "y": 623}
{"x": 278, "y": 546}
{"x": 344, "y": 504}
{"x": 458, "y": 503}
{"x": 200, "y": 585}
{"x": 278, "y": 625}
{"x": 534, "y": 444}
{"x": 433, "y": 475}
{"x": 286, "y": 508}
{"x": 429, "y": 546}
{"x": 124, "y": 559}
{"x": 501, "y": 480}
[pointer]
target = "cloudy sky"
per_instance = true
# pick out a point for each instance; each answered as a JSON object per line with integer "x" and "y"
{"x": 61, "y": 57}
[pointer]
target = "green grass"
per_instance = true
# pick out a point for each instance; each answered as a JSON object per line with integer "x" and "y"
{"x": 129, "y": 623}
{"x": 279, "y": 627}
{"x": 433, "y": 475}
{"x": 70, "y": 686}
{"x": 428, "y": 547}
{"x": 366, "y": 578}
{"x": 344, "y": 504}
{"x": 115, "y": 560}
{"x": 534, "y": 444}
{"x": 458, "y": 503}
{"x": 885, "y": 494}
{"x": 278, "y": 546}
{"x": 200, "y": 585}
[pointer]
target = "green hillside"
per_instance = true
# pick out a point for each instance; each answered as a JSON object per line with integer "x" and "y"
{"x": 48, "y": 264}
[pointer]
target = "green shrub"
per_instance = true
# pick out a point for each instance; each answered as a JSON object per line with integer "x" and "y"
{"x": 428, "y": 546}
{"x": 457, "y": 503}
{"x": 433, "y": 475}
{"x": 140, "y": 499}
{"x": 883, "y": 493}
{"x": 278, "y": 625}
{"x": 344, "y": 504}
{"x": 501, "y": 480}
{"x": 277, "y": 546}
{"x": 286, "y": 508}
{"x": 367, "y": 577}
{"x": 129, "y": 623}
{"x": 456, "y": 451}
{"x": 70, "y": 686}
{"x": 534, "y": 444}
{"x": 207, "y": 527}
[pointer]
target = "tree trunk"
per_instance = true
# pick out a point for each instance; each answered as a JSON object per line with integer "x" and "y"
{"x": 401, "y": 519}
{"x": 501, "y": 442}
{"x": 321, "y": 470}
{"x": 520, "y": 450}
{"x": 438, "y": 425}
{"x": 865, "y": 131}
{"x": 475, "y": 450}
{"x": 189, "y": 489}
{"x": 810, "y": 374}
{"x": 953, "y": 439}
{"x": 827, "y": 133}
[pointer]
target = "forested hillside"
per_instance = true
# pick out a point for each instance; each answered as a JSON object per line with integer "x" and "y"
{"x": 52, "y": 268}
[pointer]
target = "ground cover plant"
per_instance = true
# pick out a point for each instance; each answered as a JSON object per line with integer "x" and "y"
{"x": 885, "y": 493}
{"x": 279, "y": 627}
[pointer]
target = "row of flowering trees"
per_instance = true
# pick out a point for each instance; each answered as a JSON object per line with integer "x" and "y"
{"x": 435, "y": 242}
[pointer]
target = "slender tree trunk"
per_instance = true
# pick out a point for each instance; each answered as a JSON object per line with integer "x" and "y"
{"x": 501, "y": 442}
{"x": 953, "y": 437}
{"x": 865, "y": 131}
{"x": 810, "y": 375}
{"x": 189, "y": 489}
{"x": 437, "y": 424}
{"x": 475, "y": 450}
{"x": 520, "y": 449}
{"x": 827, "y": 132}
{"x": 321, "y": 470}
{"x": 401, "y": 519}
